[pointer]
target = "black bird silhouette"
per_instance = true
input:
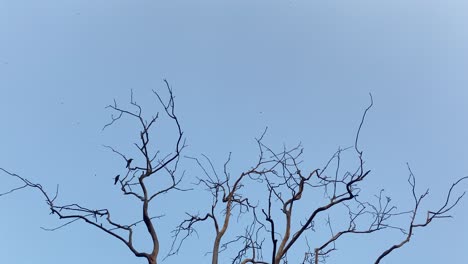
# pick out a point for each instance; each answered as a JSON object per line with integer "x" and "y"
{"x": 116, "y": 179}
{"x": 128, "y": 162}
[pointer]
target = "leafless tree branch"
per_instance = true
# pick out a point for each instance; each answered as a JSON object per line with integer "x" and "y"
{"x": 275, "y": 220}
{"x": 138, "y": 169}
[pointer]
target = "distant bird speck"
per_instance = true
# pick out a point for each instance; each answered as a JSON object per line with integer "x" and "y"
{"x": 128, "y": 162}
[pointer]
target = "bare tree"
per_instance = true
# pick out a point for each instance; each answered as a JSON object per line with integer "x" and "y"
{"x": 148, "y": 164}
{"x": 269, "y": 202}
{"x": 286, "y": 185}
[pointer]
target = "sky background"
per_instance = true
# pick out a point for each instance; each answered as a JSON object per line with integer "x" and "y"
{"x": 302, "y": 68}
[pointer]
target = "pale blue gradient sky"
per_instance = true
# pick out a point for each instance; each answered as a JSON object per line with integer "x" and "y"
{"x": 302, "y": 68}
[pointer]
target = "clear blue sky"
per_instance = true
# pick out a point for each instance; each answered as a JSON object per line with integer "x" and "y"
{"x": 302, "y": 68}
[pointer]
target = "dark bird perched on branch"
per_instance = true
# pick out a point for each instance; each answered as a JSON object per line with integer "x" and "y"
{"x": 116, "y": 179}
{"x": 128, "y": 162}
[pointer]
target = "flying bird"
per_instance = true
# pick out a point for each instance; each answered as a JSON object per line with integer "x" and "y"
{"x": 128, "y": 162}
{"x": 116, "y": 179}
